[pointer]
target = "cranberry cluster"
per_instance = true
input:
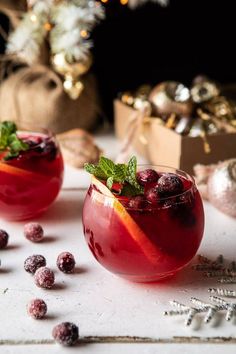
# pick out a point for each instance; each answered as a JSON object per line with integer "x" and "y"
{"x": 157, "y": 187}
{"x": 65, "y": 333}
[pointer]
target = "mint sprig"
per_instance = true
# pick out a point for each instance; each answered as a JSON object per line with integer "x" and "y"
{"x": 9, "y": 141}
{"x": 107, "y": 170}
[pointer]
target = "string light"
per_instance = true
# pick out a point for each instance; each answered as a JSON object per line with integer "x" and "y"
{"x": 84, "y": 33}
{"x": 122, "y": 2}
{"x": 33, "y": 18}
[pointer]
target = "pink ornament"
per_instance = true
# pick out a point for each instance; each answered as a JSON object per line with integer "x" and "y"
{"x": 221, "y": 187}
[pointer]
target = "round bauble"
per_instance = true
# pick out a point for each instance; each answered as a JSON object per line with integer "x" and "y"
{"x": 171, "y": 97}
{"x": 221, "y": 187}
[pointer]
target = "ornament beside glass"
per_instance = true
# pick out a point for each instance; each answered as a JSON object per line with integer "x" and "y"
{"x": 217, "y": 183}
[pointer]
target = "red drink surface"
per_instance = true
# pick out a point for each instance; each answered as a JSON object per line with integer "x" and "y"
{"x": 172, "y": 231}
{"x": 30, "y": 182}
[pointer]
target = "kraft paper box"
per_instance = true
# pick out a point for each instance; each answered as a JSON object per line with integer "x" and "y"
{"x": 166, "y": 147}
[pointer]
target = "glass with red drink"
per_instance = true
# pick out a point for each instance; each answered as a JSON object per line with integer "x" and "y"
{"x": 31, "y": 180}
{"x": 146, "y": 237}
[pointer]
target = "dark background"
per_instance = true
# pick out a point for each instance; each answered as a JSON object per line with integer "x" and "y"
{"x": 152, "y": 44}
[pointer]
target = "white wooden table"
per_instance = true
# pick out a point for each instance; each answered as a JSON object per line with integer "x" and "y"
{"x": 113, "y": 315}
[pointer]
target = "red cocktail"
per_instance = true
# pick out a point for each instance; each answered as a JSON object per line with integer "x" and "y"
{"x": 30, "y": 181}
{"x": 150, "y": 236}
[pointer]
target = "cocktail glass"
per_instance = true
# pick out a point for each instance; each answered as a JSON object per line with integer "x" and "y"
{"x": 144, "y": 244}
{"x": 30, "y": 182}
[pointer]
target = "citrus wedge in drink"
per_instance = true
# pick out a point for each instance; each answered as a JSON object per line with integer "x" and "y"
{"x": 19, "y": 172}
{"x": 148, "y": 248}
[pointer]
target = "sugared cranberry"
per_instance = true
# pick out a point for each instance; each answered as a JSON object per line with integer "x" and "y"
{"x": 66, "y": 333}
{"x": 170, "y": 185}
{"x": 48, "y": 149}
{"x": 37, "y": 308}
{"x": 147, "y": 177}
{"x": 33, "y": 232}
{"x": 32, "y": 263}
{"x": 152, "y": 195}
{"x": 44, "y": 278}
{"x": 66, "y": 262}
{"x": 3, "y": 239}
{"x": 137, "y": 202}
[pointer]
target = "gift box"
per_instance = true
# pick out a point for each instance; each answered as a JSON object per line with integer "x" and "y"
{"x": 163, "y": 146}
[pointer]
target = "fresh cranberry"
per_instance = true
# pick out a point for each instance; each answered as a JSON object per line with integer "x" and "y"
{"x": 152, "y": 195}
{"x": 138, "y": 202}
{"x": 3, "y": 239}
{"x": 66, "y": 262}
{"x": 37, "y": 308}
{"x": 147, "y": 177}
{"x": 48, "y": 149}
{"x": 44, "y": 278}
{"x": 32, "y": 263}
{"x": 33, "y": 232}
{"x": 170, "y": 185}
{"x": 66, "y": 333}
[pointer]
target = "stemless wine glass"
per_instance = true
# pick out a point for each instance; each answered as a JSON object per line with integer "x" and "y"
{"x": 147, "y": 243}
{"x": 30, "y": 182}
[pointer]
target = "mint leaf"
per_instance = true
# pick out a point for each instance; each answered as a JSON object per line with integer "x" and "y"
{"x": 6, "y": 130}
{"x": 16, "y": 144}
{"x": 95, "y": 170}
{"x": 9, "y": 141}
{"x": 129, "y": 191}
{"x": 107, "y": 166}
{"x": 110, "y": 182}
{"x": 132, "y": 167}
{"x": 121, "y": 173}
{"x": 131, "y": 175}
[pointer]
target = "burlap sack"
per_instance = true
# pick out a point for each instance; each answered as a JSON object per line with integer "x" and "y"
{"x": 35, "y": 95}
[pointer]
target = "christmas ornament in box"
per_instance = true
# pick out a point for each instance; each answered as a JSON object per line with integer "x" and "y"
{"x": 185, "y": 126}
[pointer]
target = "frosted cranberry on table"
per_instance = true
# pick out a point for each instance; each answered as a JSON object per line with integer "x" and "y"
{"x": 66, "y": 262}
{"x": 34, "y": 262}
{"x": 44, "y": 278}
{"x": 66, "y": 333}
{"x": 33, "y": 232}
{"x": 37, "y": 308}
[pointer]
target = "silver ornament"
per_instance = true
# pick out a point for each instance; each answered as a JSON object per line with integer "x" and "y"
{"x": 222, "y": 187}
{"x": 171, "y": 97}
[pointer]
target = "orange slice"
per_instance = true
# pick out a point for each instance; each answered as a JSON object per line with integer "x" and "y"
{"x": 16, "y": 171}
{"x": 147, "y": 247}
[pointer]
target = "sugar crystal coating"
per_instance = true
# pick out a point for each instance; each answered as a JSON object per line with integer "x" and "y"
{"x": 44, "y": 278}
{"x": 33, "y": 232}
{"x": 147, "y": 176}
{"x": 34, "y": 262}
{"x": 37, "y": 308}
{"x": 152, "y": 195}
{"x": 66, "y": 262}
{"x": 137, "y": 202}
{"x": 170, "y": 185}
{"x": 66, "y": 333}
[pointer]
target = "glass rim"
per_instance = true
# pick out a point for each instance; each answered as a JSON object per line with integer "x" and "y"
{"x": 38, "y": 130}
{"x": 177, "y": 172}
